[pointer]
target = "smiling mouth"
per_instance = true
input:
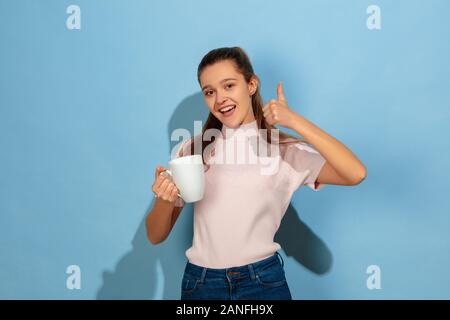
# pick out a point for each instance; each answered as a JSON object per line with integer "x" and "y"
{"x": 227, "y": 110}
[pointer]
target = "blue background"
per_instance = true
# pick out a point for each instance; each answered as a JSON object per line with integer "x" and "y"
{"x": 86, "y": 116}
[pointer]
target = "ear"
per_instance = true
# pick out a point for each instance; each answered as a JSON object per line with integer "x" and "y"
{"x": 253, "y": 85}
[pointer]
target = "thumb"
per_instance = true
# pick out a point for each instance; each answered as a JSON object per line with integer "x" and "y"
{"x": 158, "y": 170}
{"x": 280, "y": 92}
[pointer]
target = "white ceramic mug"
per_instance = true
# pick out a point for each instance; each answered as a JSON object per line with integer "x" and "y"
{"x": 189, "y": 177}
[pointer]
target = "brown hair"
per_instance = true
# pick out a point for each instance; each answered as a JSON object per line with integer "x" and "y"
{"x": 243, "y": 65}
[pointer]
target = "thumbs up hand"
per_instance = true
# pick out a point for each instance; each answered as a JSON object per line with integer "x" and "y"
{"x": 278, "y": 111}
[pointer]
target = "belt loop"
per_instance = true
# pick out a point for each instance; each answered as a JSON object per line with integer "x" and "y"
{"x": 251, "y": 271}
{"x": 202, "y": 278}
{"x": 281, "y": 258}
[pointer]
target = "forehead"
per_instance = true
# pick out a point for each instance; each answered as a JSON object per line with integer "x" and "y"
{"x": 212, "y": 75}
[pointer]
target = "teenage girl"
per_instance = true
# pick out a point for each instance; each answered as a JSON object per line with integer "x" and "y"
{"x": 233, "y": 255}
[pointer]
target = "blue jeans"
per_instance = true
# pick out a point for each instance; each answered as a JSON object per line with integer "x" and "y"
{"x": 261, "y": 280}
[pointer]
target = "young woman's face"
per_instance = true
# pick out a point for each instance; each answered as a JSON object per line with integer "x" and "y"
{"x": 225, "y": 89}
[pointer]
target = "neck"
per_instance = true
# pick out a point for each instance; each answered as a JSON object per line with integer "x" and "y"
{"x": 249, "y": 126}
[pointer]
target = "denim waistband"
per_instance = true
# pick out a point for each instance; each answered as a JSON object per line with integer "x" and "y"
{"x": 246, "y": 270}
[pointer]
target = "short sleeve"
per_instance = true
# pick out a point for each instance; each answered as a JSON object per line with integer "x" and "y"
{"x": 181, "y": 149}
{"x": 306, "y": 164}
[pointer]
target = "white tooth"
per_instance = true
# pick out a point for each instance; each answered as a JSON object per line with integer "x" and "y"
{"x": 227, "y": 109}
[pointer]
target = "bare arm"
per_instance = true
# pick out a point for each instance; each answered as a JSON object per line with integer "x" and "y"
{"x": 342, "y": 167}
{"x": 164, "y": 214}
{"x": 161, "y": 219}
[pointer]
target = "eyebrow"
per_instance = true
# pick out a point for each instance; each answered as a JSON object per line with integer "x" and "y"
{"x": 204, "y": 87}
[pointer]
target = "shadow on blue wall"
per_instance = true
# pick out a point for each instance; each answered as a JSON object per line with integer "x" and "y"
{"x": 154, "y": 272}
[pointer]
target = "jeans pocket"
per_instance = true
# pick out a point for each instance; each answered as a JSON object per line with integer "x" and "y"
{"x": 189, "y": 283}
{"x": 271, "y": 277}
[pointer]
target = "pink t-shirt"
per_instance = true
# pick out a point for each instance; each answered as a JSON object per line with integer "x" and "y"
{"x": 245, "y": 200}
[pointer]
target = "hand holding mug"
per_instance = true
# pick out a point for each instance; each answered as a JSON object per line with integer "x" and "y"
{"x": 187, "y": 173}
{"x": 163, "y": 187}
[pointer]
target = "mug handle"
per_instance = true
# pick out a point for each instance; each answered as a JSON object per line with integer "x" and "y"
{"x": 168, "y": 173}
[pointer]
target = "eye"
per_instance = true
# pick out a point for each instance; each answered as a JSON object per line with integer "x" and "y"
{"x": 207, "y": 93}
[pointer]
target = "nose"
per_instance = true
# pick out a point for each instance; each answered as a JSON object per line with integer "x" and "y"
{"x": 220, "y": 103}
{"x": 220, "y": 100}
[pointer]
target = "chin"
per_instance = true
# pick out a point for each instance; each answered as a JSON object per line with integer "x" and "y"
{"x": 232, "y": 123}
